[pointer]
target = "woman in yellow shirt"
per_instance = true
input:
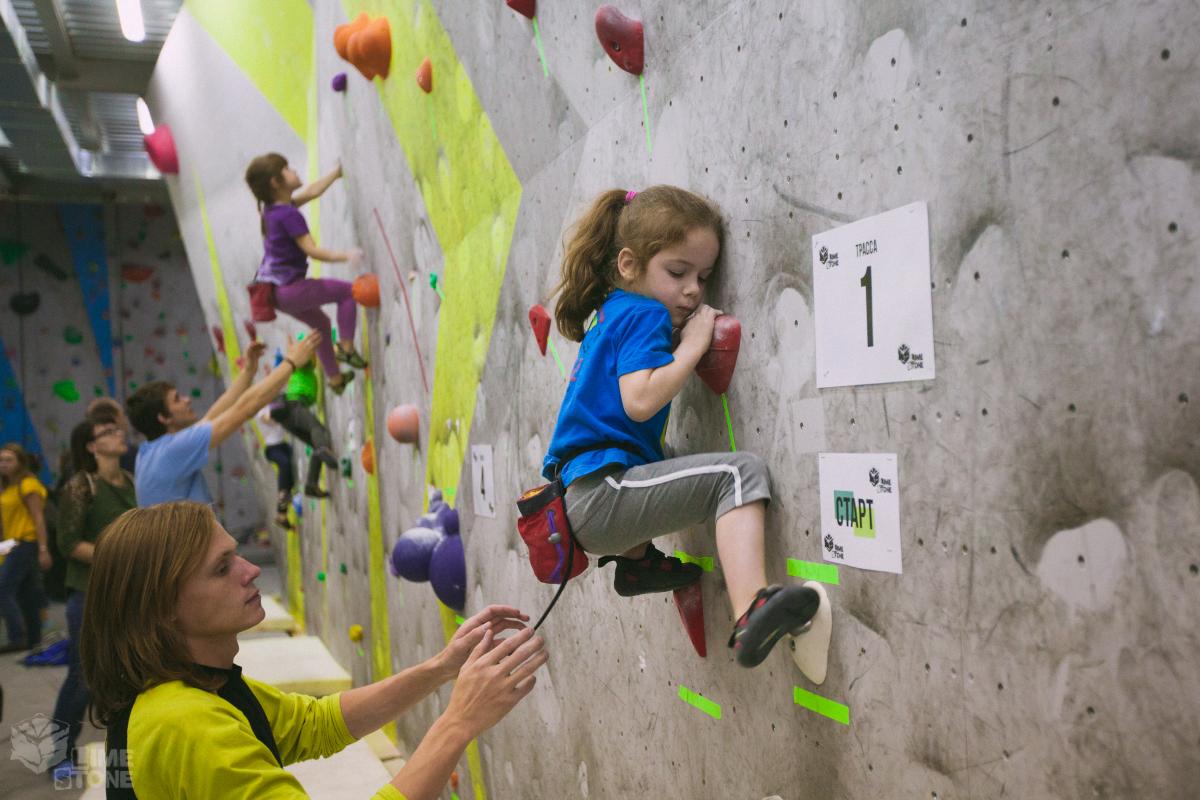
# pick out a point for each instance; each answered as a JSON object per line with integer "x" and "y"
{"x": 167, "y": 597}
{"x": 22, "y": 500}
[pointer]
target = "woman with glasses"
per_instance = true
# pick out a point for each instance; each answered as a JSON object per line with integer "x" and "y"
{"x": 98, "y": 492}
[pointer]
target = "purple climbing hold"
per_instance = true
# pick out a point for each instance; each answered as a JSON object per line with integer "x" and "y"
{"x": 448, "y": 572}
{"x": 339, "y": 82}
{"x": 412, "y": 553}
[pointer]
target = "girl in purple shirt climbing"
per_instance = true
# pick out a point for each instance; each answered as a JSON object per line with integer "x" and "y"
{"x": 287, "y": 246}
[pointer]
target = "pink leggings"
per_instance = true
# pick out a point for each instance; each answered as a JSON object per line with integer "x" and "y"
{"x": 303, "y": 300}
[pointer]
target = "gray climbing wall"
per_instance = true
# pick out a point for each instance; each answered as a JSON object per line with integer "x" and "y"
{"x": 116, "y": 308}
{"x": 1040, "y": 641}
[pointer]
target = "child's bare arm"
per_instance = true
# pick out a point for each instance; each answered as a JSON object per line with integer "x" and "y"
{"x": 317, "y": 188}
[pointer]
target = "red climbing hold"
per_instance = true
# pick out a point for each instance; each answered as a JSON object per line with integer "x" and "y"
{"x": 540, "y": 320}
{"x": 425, "y": 75}
{"x": 526, "y": 8}
{"x": 136, "y": 273}
{"x": 621, "y": 37}
{"x": 715, "y": 367}
{"x": 219, "y": 336}
{"x": 690, "y": 602}
{"x": 251, "y": 330}
{"x": 160, "y": 146}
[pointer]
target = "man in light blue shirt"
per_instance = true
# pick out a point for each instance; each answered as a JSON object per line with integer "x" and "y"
{"x": 177, "y": 444}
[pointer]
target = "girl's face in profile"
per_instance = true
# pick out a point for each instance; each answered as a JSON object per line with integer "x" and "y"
{"x": 288, "y": 180}
{"x": 675, "y": 276}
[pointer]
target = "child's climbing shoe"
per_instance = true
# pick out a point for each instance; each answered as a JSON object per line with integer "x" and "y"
{"x": 775, "y": 612}
{"x": 350, "y": 357}
{"x": 315, "y": 491}
{"x": 653, "y": 572}
{"x": 338, "y": 385}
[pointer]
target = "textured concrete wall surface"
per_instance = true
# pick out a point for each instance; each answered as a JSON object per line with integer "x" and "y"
{"x": 117, "y": 307}
{"x": 1041, "y": 640}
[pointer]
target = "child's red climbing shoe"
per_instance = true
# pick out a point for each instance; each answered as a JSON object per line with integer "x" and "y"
{"x": 775, "y": 612}
{"x": 653, "y": 572}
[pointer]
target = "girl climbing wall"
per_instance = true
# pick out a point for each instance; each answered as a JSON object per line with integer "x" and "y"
{"x": 287, "y": 246}
{"x": 640, "y": 261}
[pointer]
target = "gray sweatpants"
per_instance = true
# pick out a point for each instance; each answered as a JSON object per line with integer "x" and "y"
{"x": 615, "y": 509}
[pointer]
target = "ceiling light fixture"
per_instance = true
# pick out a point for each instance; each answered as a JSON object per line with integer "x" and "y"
{"x": 132, "y": 25}
{"x": 145, "y": 121}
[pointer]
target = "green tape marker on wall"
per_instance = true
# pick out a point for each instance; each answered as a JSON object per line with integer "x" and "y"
{"x": 705, "y": 562}
{"x": 812, "y": 571}
{"x": 702, "y": 703}
{"x": 825, "y": 707}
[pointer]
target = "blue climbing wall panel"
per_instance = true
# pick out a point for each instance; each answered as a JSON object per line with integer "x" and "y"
{"x": 15, "y": 424}
{"x": 84, "y": 229}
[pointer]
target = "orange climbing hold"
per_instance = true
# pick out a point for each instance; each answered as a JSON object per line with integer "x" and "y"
{"x": 367, "y": 44}
{"x": 342, "y": 34}
{"x": 136, "y": 273}
{"x": 367, "y": 456}
{"x": 425, "y": 75}
{"x": 366, "y": 290}
{"x": 404, "y": 424}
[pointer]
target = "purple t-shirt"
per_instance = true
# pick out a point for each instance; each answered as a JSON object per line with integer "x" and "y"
{"x": 283, "y": 260}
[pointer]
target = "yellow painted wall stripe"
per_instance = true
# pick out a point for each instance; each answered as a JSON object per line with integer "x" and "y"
{"x": 271, "y": 41}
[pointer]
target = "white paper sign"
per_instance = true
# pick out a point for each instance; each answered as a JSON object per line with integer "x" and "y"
{"x": 481, "y": 480}
{"x": 860, "y": 510}
{"x": 871, "y": 300}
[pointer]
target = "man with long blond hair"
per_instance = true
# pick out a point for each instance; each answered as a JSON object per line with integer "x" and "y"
{"x": 167, "y": 598}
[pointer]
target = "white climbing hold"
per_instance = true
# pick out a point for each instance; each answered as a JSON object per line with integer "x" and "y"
{"x": 810, "y": 650}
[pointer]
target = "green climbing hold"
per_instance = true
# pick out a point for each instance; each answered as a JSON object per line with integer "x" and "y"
{"x": 93, "y": 267}
{"x": 195, "y": 392}
{"x": 98, "y": 391}
{"x": 129, "y": 337}
{"x": 10, "y": 250}
{"x": 72, "y": 334}
{"x": 66, "y": 390}
{"x": 132, "y": 386}
{"x": 219, "y": 468}
{"x": 162, "y": 315}
{"x": 307, "y": 450}
{"x": 343, "y": 568}
{"x": 321, "y": 577}
{"x": 191, "y": 370}
{"x": 185, "y": 354}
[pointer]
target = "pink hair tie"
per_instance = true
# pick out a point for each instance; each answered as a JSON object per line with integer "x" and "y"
{"x": 629, "y": 196}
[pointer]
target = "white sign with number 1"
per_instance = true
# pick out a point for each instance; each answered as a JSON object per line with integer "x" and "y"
{"x": 871, "y": 300}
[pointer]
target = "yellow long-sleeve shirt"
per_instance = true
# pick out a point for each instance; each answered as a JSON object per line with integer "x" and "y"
{"x": 182, "y": 742}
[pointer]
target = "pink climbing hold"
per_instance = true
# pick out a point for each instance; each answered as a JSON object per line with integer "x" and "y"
{"x": 219, "y": 336}
{"x": 539, "y": 319}
{"x": 160, "y": 146}
{"x": 251, "y": 330}
{"x": 526, "y": 8}
{"x": 404, "y": 424}
{"x": 622, "y": 38}
{"x": 715, "y": 367}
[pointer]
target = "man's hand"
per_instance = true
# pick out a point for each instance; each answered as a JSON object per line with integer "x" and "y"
{"x": 302, "y": 351}
{"x": 496, "y": 676}
{"x": 470, "y": 634}
{"x": 253, "y": 354}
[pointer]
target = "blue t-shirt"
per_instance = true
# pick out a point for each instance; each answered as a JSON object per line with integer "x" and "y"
{"x": 631, "y": 333}
{"x": 169, "y": 468}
